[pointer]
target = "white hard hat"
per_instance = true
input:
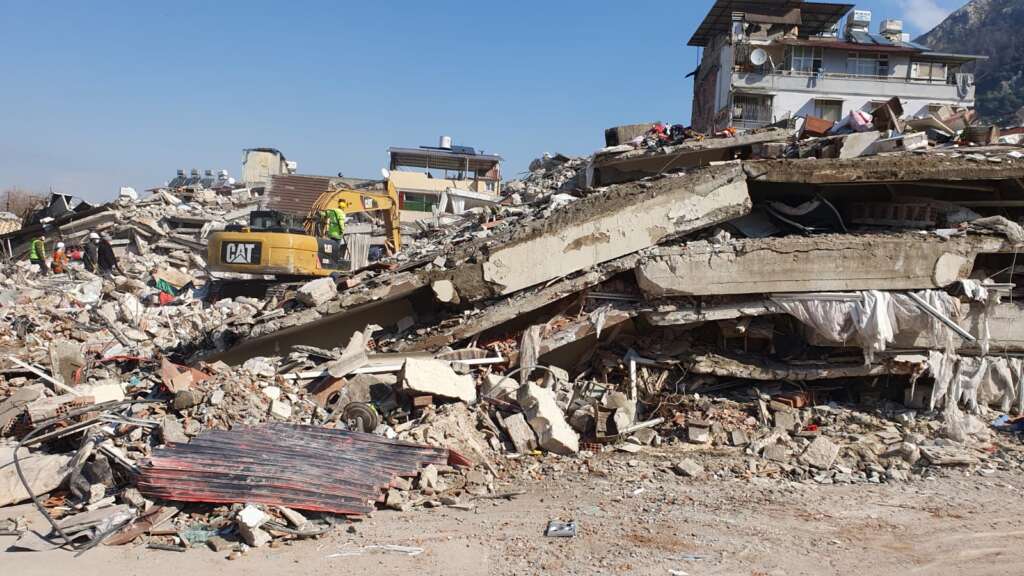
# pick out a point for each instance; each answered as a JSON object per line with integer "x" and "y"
{"x": 94, "y": 236}
{"x": 60, "y": 244}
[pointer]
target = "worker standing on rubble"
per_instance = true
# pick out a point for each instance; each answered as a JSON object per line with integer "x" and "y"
{"x": 107, "y": 259}
{"x": 60, "y": 259}
{"x": 92, "y": 253}
{"x": 37, "y": 253}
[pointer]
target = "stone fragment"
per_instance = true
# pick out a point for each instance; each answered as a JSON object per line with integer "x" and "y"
{"x": 281, "y": 409}
{"x": 435, "y": 377}
{"x": 523, "y": 437}
{"x": 444, "y": 291}
{"x": 547, "y": 420}
{"x": 428, "y": 477}
{"x": 775, "y": 453}
{"x": 172, "y": 431}
{"x": 317, "y": 292}
{"x": 738, "y": 438}
{"x": 785, "y": 420}
{"x": 248, "y": 523}
{"x": 698, "y": 434}
{"x": 688, "y": 468}
{"x": 821, "y": 453}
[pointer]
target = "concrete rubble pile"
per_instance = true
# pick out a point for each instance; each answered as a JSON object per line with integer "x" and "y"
{"x": 819, "y": 319}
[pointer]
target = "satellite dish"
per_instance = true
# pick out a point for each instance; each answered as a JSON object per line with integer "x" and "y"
{"x": 384, "y": 172}
{"x": 758, "y": 57}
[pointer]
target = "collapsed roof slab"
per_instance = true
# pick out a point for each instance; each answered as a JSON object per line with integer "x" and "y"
{"x": 640, "y": 163}
{"x": 913, "y": 168}
{"x": 827, "y": 263}
{"x": 511, "y": 309}
{"x": 603, "y": 227}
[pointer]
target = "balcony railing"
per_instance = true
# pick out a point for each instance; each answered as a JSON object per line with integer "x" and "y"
{"x": 839, "y": 83}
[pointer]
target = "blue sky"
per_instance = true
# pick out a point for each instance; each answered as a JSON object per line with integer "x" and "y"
{"x": 102, "y": 94}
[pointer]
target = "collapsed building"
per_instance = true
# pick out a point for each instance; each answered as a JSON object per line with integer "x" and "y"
{"x": 821, "y": 308}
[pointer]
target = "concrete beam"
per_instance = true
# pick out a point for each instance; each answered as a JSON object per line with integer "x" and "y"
{"x": 896, "y": 168}
{"x": 818, "y": 264}
{"x": 602, "y": 227}
{"x": 763, "y": 369}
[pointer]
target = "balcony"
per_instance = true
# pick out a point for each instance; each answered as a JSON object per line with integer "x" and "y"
{"x": 828, "y": 84}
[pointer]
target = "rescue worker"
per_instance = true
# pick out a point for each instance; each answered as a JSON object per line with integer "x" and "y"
{"x": 107, "y": 259}
{"x": 60, "y": 259}
{"x": 335, "y": 218}
{"x": 92, "y": 253}
{"x": 37, "y": 253}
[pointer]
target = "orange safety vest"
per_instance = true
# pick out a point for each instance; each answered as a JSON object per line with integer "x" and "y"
{"x": 59, "y": 260}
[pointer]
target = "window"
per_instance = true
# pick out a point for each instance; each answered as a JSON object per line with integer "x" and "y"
{"x": 932, "y": 71}
{"x": 860, "y": 64}
{"x": 750, "y": 111}
{"x": 418, "y": 202}
{"x": 489, "y": 185}
{"x": 831, "y": 110}
{"x": 805, "y": 59}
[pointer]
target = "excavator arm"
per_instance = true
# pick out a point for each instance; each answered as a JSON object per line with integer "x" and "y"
{"x": 353, "y": 201}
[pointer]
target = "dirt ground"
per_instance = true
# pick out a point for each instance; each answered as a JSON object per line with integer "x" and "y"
{"x": 637, "y": 517}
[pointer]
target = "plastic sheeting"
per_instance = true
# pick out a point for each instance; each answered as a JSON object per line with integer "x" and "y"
{"x": 976, "y": 381}
{"x": 873, "y": 318}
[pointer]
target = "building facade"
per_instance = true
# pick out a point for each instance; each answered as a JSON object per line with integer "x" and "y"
{"x": 767, "y": 61}
{"x": 426, "y": 176}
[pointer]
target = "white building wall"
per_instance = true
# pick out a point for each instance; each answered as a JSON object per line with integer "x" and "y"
{"x": 723, "y": 92}
{"x": 797, "y": 104}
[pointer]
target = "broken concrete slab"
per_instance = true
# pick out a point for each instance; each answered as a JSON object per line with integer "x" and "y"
{"x": 639, "y": 163}
{"x": 523, "y": 437}
{"x": 547, "y": 420}
{"x": 444, "y": 291}
{"x": 603, "y": 227}
{"x": 688, "y": 468}
{"x": 317, "y": 292}
{"x": 821, "y": 453}
{"x": 435, "y": 377}
{"x": 353, "y": 357}
{"x": 858, "y": 144}
{"x": 171, "y": 430}
{"x": 44, "y": 472}
{"x": 798, "y": 264}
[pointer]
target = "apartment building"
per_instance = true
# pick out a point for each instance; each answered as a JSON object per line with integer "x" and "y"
{"x": 765, "y": 61}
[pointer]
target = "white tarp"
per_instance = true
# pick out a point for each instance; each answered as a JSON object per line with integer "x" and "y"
{"x": 871, "y": 319}
{"x": 976, "y": 381}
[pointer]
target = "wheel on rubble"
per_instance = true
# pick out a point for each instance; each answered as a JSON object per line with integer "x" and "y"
{"x": 360, "y": 416}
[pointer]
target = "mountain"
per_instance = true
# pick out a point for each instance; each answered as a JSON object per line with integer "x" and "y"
{"x": 990, "y": 28}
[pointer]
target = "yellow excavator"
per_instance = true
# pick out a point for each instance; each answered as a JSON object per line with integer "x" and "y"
{"x": 279, "y": 244}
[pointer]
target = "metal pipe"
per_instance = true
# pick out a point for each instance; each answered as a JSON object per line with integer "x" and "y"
{"x": 940, "y": 317}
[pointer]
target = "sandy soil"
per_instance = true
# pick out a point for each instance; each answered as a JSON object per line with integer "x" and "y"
{"x": 637, "y": 517}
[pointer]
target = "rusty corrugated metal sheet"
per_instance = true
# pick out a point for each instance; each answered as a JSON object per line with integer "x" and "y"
{"x": 294, "y": 193}
{"x": 302, "y": 467}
